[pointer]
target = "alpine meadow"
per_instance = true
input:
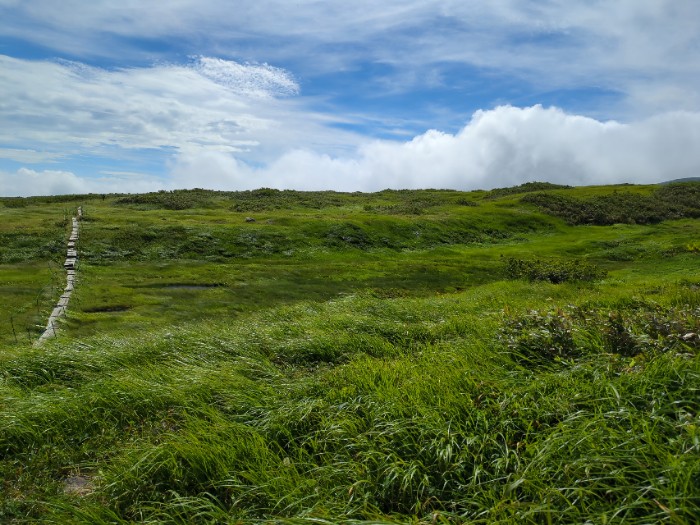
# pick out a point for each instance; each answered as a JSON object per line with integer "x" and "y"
{"x": 527, "y": 354}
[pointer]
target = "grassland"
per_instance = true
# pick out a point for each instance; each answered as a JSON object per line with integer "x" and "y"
{"x": 355, "y": 358}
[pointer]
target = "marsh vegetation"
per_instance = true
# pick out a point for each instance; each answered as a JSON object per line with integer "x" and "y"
{"x": 404, "y": 356}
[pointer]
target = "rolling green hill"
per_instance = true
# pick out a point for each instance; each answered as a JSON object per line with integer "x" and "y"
{"x": 522, "y": 355}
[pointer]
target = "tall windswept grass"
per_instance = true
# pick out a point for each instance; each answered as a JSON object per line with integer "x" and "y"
{"x": 351, "y": 358}
{"x": 362, "y": 410}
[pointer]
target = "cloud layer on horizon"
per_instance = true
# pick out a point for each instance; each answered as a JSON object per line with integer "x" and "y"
{"x": 500, "y": 147}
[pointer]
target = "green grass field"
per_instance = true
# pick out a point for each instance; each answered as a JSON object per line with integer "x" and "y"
{"x": 430, "y": 356}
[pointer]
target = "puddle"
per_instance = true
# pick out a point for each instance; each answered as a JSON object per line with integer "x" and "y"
{"x": 191, "y": 286}
{"x": 78, "y": 485}
{"x": 107, "y": 308}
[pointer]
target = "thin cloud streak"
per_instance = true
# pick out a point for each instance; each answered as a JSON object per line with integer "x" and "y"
{"x": 29, "y": 156}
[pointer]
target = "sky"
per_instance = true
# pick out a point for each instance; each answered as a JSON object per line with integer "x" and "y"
{"x": 98, "y": 96}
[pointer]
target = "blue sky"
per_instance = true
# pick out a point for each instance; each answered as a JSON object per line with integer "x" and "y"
{"x": 134, "y": 96}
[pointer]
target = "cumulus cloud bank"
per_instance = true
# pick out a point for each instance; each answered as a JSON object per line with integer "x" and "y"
{"x": 501, "y": 147}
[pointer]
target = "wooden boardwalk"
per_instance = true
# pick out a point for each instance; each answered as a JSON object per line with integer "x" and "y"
{"x": 70, "y": 266}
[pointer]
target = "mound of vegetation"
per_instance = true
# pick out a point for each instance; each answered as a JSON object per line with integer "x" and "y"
{"x": 527, "y": 187}
{"x": 14, "y": 202}
{"x": 153, "y": 241}
{"x": 266, "y": 199}
{"x": 674, "y": 201}
{"x": 169, "y": 200}
{"x": 22, "y": 202}
{"x": 19, "y": 246}
{"x": 554, "y": 271}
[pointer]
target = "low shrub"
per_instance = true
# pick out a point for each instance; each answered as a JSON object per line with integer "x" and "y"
{"x": 528, "y": 187}
{"x": 642, "y": 329}
{"x": 169, "y": 200}
{"x": 554, "y": 271}
{"x": 267, "y": 199}
{"x": 14, "y": 202}
{"x": 675, "y": 201}
{"x": 540, "y": 336}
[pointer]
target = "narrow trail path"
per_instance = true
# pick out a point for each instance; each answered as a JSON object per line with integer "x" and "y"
{"x": 70, "y": 267}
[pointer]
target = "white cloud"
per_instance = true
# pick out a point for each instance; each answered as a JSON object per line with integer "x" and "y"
{"x": 257, "y": 80}
{"x": 633, "y": 47}
{"x": 26, "y": 182}
{"x": 211, "y": 170}
{"x": 208, "y": 103}
{"x": 501, "y": 147}
{"x": 28, "y": 156}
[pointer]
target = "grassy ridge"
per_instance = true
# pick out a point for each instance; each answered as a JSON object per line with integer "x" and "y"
{"x": 424, "y": 380}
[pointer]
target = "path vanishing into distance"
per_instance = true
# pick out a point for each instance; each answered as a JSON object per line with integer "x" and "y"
{"x": 70, "y": 267}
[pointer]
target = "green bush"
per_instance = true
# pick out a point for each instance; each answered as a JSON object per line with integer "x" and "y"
{"x": 554, "y": 271}
{"x": 169, "y": 200}
{"x": 674, "y": 201}
{"x": 540, "y": 336}
{"x": 630, "y": 330}
{"x": 14, "y": 202}
{"x": 267, "y": 199}
{"x": 528, "y": 187}
{"x": 644, "y": 328}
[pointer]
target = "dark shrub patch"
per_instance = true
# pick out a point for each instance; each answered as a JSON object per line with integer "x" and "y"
{"x": 169, "y": 200}
{"x": 643, "y": 329}
{"x": 674, "y": 201}
{"x": 555, "y": 272}
{"x": 538, "y": 336}
{"x": 528, "y": 187}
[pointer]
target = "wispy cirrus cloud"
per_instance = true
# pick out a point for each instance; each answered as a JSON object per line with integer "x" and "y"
{"x": 255, "y": 80}
{"x": 29, "y": 156}
{"x": 628, "y": 46}
{"x": 206, "y": 103}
